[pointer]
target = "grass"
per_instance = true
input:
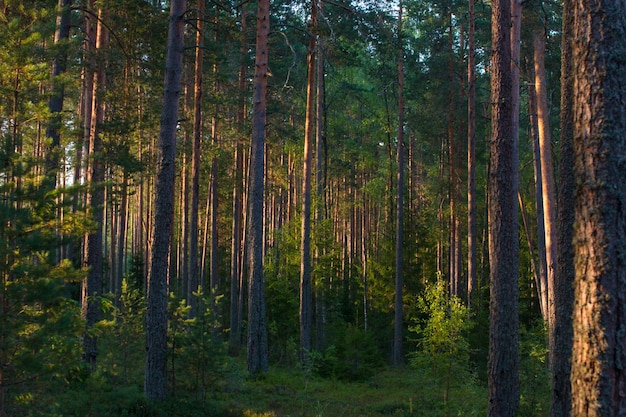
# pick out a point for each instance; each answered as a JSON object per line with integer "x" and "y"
{"x": 392, "y": 392}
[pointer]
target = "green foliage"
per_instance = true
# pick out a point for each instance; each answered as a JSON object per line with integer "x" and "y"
{"x": 444, "y": 349}
{"x": 40, "y": 324}
{"x": 351, "y": 356}
{"x": 534, "y": 371}
{"x": 199, "y": 361}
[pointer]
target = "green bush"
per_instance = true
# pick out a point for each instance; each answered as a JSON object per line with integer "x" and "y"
{"x": 352, "y": 356}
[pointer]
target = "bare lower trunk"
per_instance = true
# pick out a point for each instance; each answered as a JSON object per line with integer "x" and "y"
{"x": 503, "y": 365}
{"x": 155, "y": 378}
{"x": 257, "y": 322}
{"x": 92, "y": 285}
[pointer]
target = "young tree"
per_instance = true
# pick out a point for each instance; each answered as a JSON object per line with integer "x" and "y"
{"x": 257, "y": 322}
{"x": 598, "y": 356}
{"x": 503, "y": 363}
{"x": 155, "y": 378}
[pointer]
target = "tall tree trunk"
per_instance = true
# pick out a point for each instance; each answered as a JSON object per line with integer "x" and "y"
{"x": 320, "y": 181}
{"x": 306, "y": 307}
{"x": 542, "y": 277}
{"x": 503, "y": 364}
{"x": 547, "y": 173}
{"x": 398, "y": 357}
{"x": 195, "y": 163}
{"x": 234, "y": 337}
{"x": 92, "y": 285}
{"x": 453, "y": 275}
{"x": 257, "y": 322}
{"x": 564, "y": 278}
{"x": 598, "y": 355}
{"x": 155, "y": 378}
{"x": 471, "y": 159}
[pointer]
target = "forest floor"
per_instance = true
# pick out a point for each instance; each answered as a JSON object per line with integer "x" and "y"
{"x": 392, "y": 392}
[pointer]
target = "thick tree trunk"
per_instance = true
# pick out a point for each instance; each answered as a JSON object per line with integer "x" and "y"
{"x": 257, "y": 322}
{"x": 503, "y": 365}
{"x": 599, "y": 317}
{"x": 155, "y": 378}
{"x": 560, "y": 356}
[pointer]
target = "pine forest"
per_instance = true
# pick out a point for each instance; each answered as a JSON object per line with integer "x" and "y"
{"x": 312, "y": 208}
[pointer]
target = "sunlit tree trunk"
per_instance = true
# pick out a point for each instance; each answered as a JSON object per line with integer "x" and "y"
{"x": 560, "y": 356}
{"x": 541, "y": 278}
{"x": 547, "y": 173}
{"x": 598, "y": 356}
{"x": 155, "y": 378}
{"x": 306, "y": 307}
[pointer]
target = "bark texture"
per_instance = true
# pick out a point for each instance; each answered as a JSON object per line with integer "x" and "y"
{"x": 599, "y": 348}
{"x": 257, "y": 322}
{"x": 155, "y": 378}
{"x": 503, "y": 365}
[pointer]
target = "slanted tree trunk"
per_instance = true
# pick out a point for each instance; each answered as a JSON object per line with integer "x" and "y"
{"x": 155, "y": 378}
{"x": 541, "y": 278}
{"x": 257, "y": 322}
{"x": 598, "y": 355}
{"x": 560, "y": 356}
{"x": 398, "y": 357}
{"x": 503, "y": 364}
